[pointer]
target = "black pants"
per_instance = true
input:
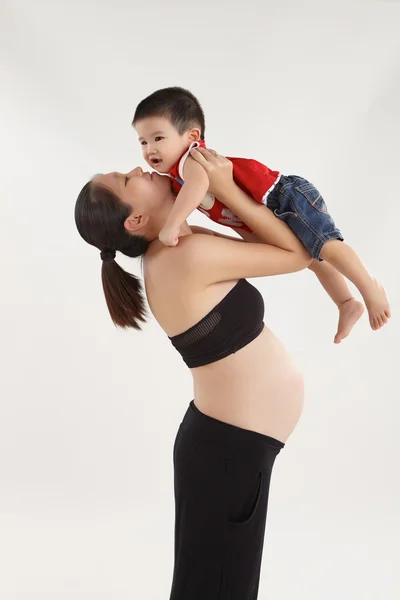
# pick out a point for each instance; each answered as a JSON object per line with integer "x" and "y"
{"x": 221, "y": 476}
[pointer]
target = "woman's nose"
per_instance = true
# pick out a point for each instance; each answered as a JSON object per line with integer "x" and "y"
{"x": 137, "y": 172}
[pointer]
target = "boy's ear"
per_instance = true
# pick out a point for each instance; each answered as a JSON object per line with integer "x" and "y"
{"x": 194, "y": 134}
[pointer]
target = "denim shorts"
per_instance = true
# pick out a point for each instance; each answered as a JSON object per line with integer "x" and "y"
{"x": 298, "y": 202}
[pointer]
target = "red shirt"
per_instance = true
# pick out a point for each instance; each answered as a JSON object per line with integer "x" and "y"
{"x": 251, "y": 176}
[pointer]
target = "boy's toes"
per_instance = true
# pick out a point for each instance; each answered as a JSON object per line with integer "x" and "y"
{"x": 337, "y": 338}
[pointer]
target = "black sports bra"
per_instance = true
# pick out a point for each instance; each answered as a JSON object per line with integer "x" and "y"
{"x": 235, "y": 322}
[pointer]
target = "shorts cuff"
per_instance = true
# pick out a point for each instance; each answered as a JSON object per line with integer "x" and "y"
{"x": 320, "y": 243}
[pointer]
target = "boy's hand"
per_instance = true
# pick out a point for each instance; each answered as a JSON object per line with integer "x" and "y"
{"x": 169, "y": 236}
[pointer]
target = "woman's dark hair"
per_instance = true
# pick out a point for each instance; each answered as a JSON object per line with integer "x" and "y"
{"x": 100, "y": 216}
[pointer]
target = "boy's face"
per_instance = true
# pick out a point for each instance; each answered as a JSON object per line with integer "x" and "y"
{"x": 162, "y": 145}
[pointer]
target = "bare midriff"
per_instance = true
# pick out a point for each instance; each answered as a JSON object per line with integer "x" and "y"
{"x": 257, "y": 388}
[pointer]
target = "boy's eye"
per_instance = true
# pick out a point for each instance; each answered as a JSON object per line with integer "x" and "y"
{"x": 143, "y": 143}
{"x": 159, "y": 138}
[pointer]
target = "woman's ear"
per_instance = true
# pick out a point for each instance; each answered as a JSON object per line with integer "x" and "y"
{"x": 136, "y": 222}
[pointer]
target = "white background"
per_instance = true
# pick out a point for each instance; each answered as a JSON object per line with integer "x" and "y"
{"x": 88, "y": 414}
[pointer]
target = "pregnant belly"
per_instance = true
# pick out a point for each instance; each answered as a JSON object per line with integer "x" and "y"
{"x": 257, "y": 388}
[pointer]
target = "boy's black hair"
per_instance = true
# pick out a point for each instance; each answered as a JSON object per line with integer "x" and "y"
{"x": 177, "y": 104}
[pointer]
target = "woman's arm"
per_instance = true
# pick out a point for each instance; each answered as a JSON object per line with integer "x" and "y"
{"x": 211, "y": 259}
{"x": 198, "y": 229}
{"x": 261, "y": 220}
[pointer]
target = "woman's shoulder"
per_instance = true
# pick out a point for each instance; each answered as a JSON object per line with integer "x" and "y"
{"x": 162, "y": 262}
{"x": 201, "y": 255}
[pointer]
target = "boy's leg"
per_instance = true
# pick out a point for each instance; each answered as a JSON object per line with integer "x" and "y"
{"x": 350, "y": 310}
{"x": 301, "y": 206}
{"x": 346, "y": 261}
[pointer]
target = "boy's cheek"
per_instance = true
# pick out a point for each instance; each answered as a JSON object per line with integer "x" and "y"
{"x": 163, "y": 170}
{"x": 148, "y": 162}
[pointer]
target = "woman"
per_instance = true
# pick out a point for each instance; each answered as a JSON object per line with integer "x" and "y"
{"x": 248, "y": 396}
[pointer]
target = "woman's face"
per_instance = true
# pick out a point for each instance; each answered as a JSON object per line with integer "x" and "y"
{"x": 144, "y": 192}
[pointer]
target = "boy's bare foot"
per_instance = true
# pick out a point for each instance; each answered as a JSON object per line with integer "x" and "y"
{"x": 349, "y": 313}
{"x": 377, "y": 305}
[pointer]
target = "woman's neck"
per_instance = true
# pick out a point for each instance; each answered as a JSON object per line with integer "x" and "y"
{"x": 158, "y": 221}
{"x": 185, "y": 229}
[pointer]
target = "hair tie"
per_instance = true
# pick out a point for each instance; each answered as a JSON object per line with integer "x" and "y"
{"x": 107, "y": 255}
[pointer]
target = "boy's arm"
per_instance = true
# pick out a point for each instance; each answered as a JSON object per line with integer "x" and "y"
{"x": 190, "y": 196}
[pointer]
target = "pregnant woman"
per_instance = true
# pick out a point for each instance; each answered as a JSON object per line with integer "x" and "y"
{"x": 248, "y": 395}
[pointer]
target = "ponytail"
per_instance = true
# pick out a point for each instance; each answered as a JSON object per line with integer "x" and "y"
{"x": 124, "y": 295}
{"x": 100, "y": 216}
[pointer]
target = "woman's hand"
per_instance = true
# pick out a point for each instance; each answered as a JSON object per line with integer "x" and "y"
{"x": 218, "y": 168}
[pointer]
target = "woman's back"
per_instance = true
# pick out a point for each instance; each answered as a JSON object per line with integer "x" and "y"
{"x": 256, "y": 387}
